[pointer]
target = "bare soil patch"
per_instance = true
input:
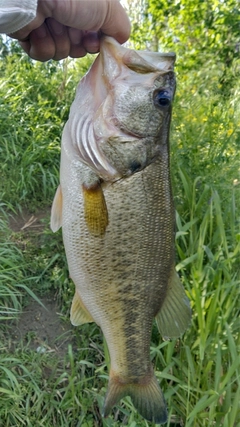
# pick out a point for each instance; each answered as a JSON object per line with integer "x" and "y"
{"x": 29, "y": 222}
{"x": 39, "y": 326}
{"x": 42, "y": 328}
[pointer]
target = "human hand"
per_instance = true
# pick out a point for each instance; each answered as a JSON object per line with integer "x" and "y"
{"x": 72, "y": 28}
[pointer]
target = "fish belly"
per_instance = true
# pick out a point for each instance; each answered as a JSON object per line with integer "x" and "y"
{"x": 122, "y": 276}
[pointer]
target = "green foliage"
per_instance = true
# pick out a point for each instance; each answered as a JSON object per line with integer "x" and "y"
{"x": 34, "y": 105}
{"x": 37, "y": 390}
{"x": 199, "y": 373}
{"x": 209, "y": 266}
{"x": 13, "y": 277}
{"x": 204, "y": 34}
{"x": 205, "y": 138}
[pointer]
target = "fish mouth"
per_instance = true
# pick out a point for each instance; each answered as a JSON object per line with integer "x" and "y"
{"x": 140, "y": 61}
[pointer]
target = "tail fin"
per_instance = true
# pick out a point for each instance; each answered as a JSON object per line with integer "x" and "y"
{"x": 147, "y": 398}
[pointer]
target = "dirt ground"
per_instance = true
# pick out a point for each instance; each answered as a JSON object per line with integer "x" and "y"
{"x": 42, "y": 328}
{"x": 28, "y": 222}
{"x": 39, "y": 325}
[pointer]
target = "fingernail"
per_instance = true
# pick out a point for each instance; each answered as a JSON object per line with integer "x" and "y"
{"x": 91, "y": 41}
{"x": 92, "y": 36}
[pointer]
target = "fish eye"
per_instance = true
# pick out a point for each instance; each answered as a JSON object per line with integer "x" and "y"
{"x": 162, "y": 98}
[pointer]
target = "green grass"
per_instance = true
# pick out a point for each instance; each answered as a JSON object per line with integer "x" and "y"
{"x": 209, "y": 265}
{"x": 13, "y": 280}
{"x": 35, "y": 101}
{"x": 199, "y": 373}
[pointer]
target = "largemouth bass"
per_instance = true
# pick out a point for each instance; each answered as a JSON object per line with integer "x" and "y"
{"x": 115, "y": 206}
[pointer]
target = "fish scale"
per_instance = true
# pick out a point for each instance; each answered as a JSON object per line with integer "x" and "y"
{"x": 121, "y": 250}
{"x": 118, "y": 220}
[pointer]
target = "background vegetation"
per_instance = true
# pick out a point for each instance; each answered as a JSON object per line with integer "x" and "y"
{"x": 200, "y": 372}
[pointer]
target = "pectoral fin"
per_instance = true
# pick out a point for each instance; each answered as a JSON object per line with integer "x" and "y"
{"x": 79, "y": 314}
{"x": 175, "y": 314}
{"x": 56, "y": 211}
{"x": 95, "y": 209}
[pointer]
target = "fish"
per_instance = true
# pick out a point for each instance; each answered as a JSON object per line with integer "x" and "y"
{"x": 115, "y": 206}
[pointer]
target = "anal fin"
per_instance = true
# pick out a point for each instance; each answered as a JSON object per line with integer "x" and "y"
{"x": 174, "y": 316}
{"x": 95, "y": 209}
{"x": 79, "y": 313}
